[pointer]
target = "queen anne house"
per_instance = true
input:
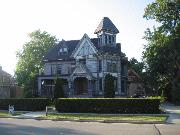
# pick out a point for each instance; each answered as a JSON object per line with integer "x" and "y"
{"x": 83, "y": 64}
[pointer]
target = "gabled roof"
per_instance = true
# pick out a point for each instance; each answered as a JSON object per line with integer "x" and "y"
{"x": 106, "y": 25}
{"x": 135, "y": 75}
{"x": 53, "y": 55}
{"x": 80, "y": 45}
{"x": 4, "y": 73}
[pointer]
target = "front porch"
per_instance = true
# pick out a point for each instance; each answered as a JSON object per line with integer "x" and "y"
{"x": 82, "y": 87}
{"x": 79, "y": 87}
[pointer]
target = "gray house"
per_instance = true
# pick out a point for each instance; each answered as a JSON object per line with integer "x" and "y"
{"x": 83, "y": 64}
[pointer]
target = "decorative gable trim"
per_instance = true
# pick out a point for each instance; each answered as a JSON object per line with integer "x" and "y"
{"x": 81, "y": 71}
{"x": 79, "y": 46}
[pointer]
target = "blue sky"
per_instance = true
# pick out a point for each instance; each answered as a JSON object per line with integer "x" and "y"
{"x": 69, "y": 19}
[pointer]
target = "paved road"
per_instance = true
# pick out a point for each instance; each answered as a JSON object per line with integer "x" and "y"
{"x": 9, "y": 126}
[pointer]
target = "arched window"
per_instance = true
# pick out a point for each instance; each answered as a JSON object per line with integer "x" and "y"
{"x": 106, "y": 38}
{"x": 110, "y": 39}
{"x": 113, "y": 39}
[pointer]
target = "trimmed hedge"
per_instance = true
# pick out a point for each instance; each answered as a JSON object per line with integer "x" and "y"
{"x": 108, "y": 105}
{"x": 25, "y": 104}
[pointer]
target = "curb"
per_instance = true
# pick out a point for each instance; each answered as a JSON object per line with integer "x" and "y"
{"x": 108, "y": 121}
{"x": 100, "y": 121}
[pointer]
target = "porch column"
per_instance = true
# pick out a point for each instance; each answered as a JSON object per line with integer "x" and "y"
{"x": 90, "y": 88}
{"x": 71, "y": 87}
{"x": 119, "y": 76}
{"x": 39, "y": 86}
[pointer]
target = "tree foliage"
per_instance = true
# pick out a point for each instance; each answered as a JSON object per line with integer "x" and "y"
{"x": 30, "y": 58}
{"x": 136, "y": 65}
{"x": 58, "y": 89}
{"x": 165, "y": 12}
{"x": 161, "y": 54}
{"x": 109, "y": 87}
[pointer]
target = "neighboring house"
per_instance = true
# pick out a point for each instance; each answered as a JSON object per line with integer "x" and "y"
{"x": 8, "y": 87}
{"x": 6, "y": 83}
{"x": 135, "y": 84}
{"x": 83, "y": 64}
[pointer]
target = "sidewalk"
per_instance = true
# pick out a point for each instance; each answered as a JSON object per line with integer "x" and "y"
{"x": 30, "y": 115}
{"x": 174, "y": 113}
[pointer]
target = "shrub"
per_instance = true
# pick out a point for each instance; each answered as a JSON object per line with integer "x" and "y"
{"x": 108, "y": 105}
{"x": 58, "y": 89}
{"x": 109, "y": 89}
{"x": 25, "y": 104}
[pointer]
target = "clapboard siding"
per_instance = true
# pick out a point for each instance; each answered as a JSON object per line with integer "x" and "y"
{"x": 91, "y": 65}
{"x": 66, "y": 68}
{"x": 47, "y": 69}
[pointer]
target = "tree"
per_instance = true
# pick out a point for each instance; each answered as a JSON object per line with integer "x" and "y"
{"x": 165, "y": 12}
{"x": 136, "y": 66}
{"x": 159, "y": 60}
{"x": 109, "y": 88}
{"x": 161, "y": 54}
{"x": 58, "y": 89}
{"x": 30, "y": 59}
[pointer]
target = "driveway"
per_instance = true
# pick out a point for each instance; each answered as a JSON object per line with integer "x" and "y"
{"x": 174, "y": 113}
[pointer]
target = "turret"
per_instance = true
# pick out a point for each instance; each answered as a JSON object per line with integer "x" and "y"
{"x": 106, "y": 33}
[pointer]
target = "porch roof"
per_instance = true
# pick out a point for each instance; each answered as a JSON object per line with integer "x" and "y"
{"x": 82, "y": 71}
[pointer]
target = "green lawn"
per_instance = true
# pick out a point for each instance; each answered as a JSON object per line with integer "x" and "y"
{"x": 6, "y": 114}
{"x": 3, "y": 114}
{"x": 105, "y": 117}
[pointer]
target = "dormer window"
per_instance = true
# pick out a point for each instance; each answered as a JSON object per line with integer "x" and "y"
{"x": 63, "y": 50}
{"x": 60, "y": 50}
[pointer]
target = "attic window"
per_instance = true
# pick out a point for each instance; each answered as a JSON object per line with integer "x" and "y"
{"x": 63, "y": 50}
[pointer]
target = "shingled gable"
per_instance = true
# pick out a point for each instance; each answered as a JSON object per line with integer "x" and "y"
{"x": 82, "y": 70}
{"x": 81, "y": 43}
{"x": 106, "y": 25}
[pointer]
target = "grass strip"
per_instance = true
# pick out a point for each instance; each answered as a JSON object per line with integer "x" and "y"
{"x": 105, "y": 117}
{"x": 6, "y": 114}
{"x": 3, "y": 114}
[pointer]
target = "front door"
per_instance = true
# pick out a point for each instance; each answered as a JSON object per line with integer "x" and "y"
{"x": 81, "y": 85}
